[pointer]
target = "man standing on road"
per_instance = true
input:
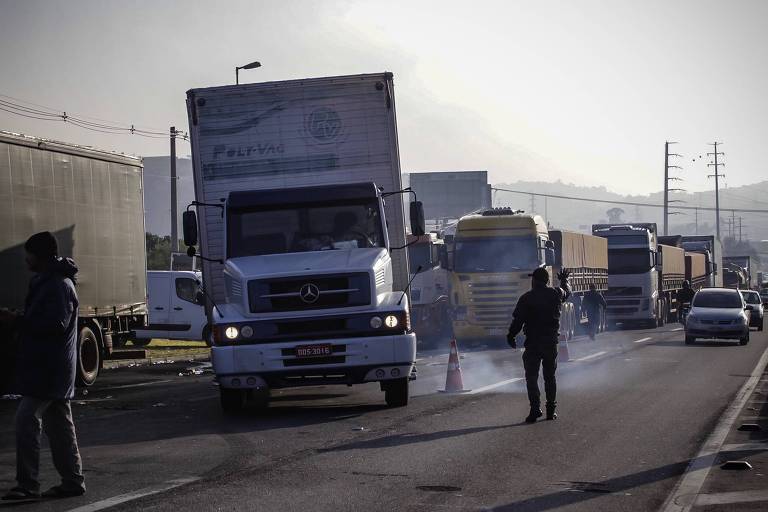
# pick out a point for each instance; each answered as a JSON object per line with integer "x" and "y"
{"x": 594, "y": 302}
{"x": 684, "y": 296}
{"x": 538, "y": 314}
{"x": 46, "y": 372}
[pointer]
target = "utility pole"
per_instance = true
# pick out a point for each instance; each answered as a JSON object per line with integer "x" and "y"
{"x": 717, "y": 183}
{"x": 667, "y": 179}
{"x": 696, "y": 212}
{"x": 739, "y": 229}
{"x": 174, "y": 201}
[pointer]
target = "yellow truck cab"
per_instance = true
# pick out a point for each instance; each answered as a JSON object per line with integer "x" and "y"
{"x": 494, "y": 253}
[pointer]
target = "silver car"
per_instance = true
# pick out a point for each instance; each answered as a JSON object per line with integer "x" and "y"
{"x": 755, "y": 306}
{"x": 718, "y": 313}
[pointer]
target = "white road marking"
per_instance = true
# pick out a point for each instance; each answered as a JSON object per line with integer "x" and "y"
{"x": 746, "y": 447}
{"x": 140, "y": 384}
{"x": 642, "y": 340}
{"x": 591, "y": 356}
{"x": 494, "y": 386}
{"x": 130, "y": 496}
{"x": 724, "y": 498}
{"x": 684, "y": 495}
{"x": 678, "y": 329}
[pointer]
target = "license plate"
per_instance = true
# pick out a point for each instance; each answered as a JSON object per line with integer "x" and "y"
{"x": 313, "y": 350}
{"x": 497, "y": 332}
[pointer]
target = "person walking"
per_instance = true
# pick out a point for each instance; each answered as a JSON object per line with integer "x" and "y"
{"x": 46, "y": 366}
{"x": 538, "y": 314}
{"x": 594, "y": 303}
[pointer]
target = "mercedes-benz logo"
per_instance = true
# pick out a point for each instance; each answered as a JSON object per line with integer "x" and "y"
{"x": 309, "y": 293}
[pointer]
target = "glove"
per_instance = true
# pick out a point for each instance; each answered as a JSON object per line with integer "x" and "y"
{"x": 563, "y": 274}
{"x": 512, "y": 341}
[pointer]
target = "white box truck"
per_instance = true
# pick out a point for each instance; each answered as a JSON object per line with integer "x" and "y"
{"x": 300, "y": 225}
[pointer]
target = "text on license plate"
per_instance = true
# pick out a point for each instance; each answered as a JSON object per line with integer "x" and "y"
{"x": 313, "y": 350}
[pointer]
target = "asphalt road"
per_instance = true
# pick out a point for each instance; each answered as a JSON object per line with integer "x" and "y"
{"x": 635, "y": 406}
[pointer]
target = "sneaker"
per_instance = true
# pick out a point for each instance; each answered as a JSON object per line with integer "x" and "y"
{"x": 534, "y": 415}
{"x": 551, "y": 414}
{"x": 63, "y": 492}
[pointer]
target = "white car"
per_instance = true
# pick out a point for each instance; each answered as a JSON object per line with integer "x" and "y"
{"x": 756, "y": 313}
{"x": 718, "y": 313}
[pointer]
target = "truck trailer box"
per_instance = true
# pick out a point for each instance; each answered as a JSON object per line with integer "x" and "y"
{"x": 695, "y": 269}
{"x": 673, "y": 262}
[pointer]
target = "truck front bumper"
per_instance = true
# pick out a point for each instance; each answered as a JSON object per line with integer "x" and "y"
{"x": 353, "y": 361}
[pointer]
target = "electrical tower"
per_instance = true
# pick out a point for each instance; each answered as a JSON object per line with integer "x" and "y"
{"x": 717, "y": 175}
{"x": 667, "y": 179}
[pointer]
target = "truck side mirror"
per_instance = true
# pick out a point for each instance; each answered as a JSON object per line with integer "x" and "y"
{"x": 659, "y": 259}
{"x": 200, "y": 298}
{"x": 418, "y": 225}
{"x": 189, "y": 222}
{"x": 549, "y": 256}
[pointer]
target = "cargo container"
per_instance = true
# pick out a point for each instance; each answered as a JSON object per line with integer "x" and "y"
{"x": 696, "y": 269}
{"x": 712, "y": 249}
{"x": 93, "y": 203}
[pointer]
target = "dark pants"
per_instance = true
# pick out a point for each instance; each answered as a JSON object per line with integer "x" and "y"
{"x": 593, "y": 321}
{"x": 546, "y": 357}
{"x": 55, "y": 416}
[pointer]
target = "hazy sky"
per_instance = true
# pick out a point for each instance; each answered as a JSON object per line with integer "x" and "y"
{"x": 582, "y": 91}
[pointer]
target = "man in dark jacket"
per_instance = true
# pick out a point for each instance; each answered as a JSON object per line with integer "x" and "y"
{"x": 593, "y": 303}
{"x": 538, "y": 314}
{"x": 46, "y": 371}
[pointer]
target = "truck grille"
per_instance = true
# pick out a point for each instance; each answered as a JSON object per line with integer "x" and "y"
{"x": 492, "y": 303}
{"x": 310, "y": 292}
{"x": 617, "y": 291}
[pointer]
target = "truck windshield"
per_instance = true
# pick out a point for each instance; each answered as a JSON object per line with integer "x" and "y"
{"x": 419, "y": 255}
{"x": 496, "y": 254}
{"x": 304, "y": 228}
{"x": 629, "y": 261}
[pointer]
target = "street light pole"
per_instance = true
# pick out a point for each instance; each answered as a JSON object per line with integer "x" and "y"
{"x": 252, "y": 65}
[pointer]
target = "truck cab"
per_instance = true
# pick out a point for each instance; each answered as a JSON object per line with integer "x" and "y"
{"x": 309, "y": 298}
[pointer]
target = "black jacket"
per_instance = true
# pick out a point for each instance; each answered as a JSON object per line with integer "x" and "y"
{"x": 538, "y": 314}
{"x": 47, "y": 333}
{"x": 685, "y": 295}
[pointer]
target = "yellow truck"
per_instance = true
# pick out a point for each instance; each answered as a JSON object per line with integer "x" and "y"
{"x": 494, "y": 254}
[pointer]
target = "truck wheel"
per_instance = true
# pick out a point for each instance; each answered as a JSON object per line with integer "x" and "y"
{"x": 690, "y": 340}
{"x": 396, "y": 392}
{"x": 88, "y": 357}
{"x": 259, "y": 398}
{"x": 743, "y": 341}
{"x": 232, "y": 400}
{"x": 141, "y": 342}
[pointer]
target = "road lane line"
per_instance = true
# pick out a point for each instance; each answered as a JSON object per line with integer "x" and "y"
{"x": 130, "y": 496}
{"x": 642, "y": 340}
{"x": 727, "y": 498}
{"x": 140, "y": 384}
{"x": 591, "y": 356}
{"x": 685, "y": 493}
{"x": 678, "y": 329}
{"x": 494, "y": 386}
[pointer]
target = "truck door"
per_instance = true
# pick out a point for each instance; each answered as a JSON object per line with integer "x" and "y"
{"x": 187, "y": 317}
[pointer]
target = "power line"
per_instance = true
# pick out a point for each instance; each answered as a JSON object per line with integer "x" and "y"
{"x": 628, "y": 203}
{"x": 18, "y": 108}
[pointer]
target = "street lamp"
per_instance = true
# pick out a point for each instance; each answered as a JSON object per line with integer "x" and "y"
{"x": 252, "y": 65}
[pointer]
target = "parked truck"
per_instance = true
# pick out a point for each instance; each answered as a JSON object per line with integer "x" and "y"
{"x": 749, "y": 266}
{"x": 299, "y": 213}
{"x": 494, "y": 253}
{"x": 427, "y": 258}
{"x": 643, "y": 275}
{"x": 712, "y": 249}
{"x": 93, "y": 203}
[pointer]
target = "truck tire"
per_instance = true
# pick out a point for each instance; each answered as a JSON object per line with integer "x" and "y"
{"x": 232, "y": 400}
{"x": 743, "y": 341}
{"x": 88, "y": 357}
{"x": 396, "y": 392}
{"x": 141, "y": 342}
{"x": 690, "y": 340}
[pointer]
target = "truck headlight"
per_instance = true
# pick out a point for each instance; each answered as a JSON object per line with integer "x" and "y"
{"x": 376, "y": 322}
{"x": 231, "y": 332}
{"x": 391, "y": 321}
{"x": 246, "y": 331}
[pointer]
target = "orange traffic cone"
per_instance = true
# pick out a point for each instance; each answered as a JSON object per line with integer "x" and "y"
{"x": 453, "y": 382}
{"x": 562, "y": 350}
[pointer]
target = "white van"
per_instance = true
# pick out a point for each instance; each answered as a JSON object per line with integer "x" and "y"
{"x": 176, "y": 307}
